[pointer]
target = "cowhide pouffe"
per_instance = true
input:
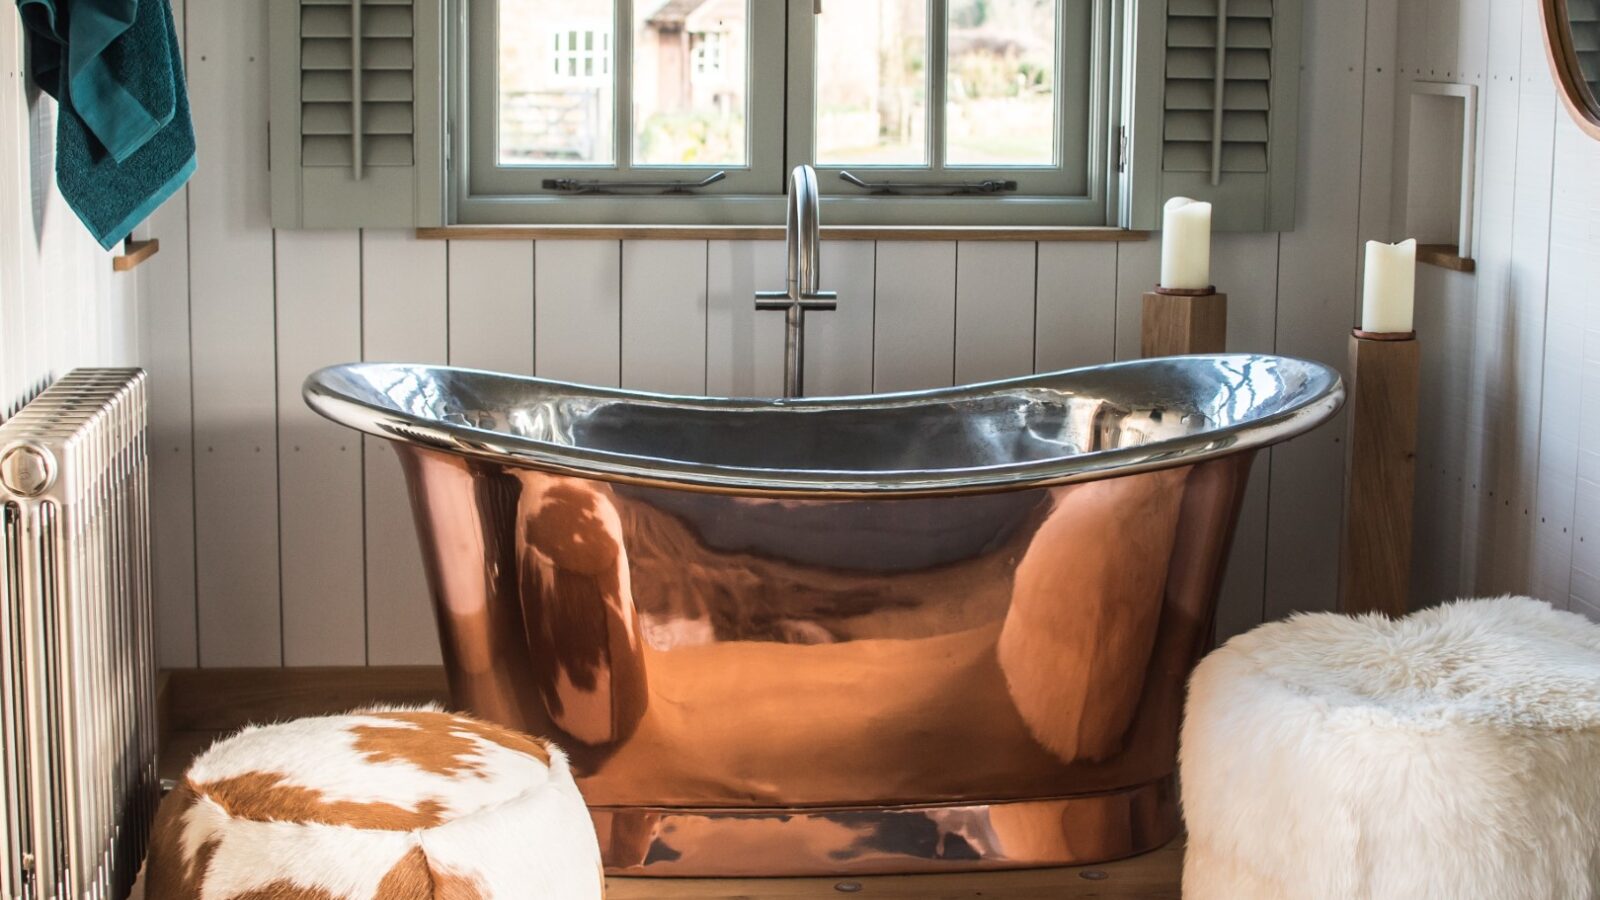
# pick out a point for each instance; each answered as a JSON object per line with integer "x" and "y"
{"x": 1452, "y": 754}
{"x": 378, "y": 805}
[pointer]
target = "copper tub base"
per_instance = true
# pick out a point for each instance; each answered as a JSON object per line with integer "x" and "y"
{"x": 1022, "y": 834}
{"x": 933, "y": 632}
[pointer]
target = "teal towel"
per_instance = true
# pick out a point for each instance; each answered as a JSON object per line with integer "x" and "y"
{"x": 124, "y": 139}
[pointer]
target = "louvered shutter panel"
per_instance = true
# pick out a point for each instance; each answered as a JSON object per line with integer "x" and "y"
{"x": 1585, "y": 18}
{"x": 1196, "y": 138}
{"x": 1218, "y": 83}
{"x": 357, "y": 136}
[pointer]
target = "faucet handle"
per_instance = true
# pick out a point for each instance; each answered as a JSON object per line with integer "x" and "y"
{"x": 773, "y": 300}
{"x": 783, "y": 300}
{"x": 819, "y": 300}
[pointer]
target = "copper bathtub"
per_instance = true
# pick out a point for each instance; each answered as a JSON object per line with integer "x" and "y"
{"x": 920, "y": 632}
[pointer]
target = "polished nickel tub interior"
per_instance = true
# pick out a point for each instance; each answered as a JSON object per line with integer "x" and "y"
{"x": 913, "y": 632}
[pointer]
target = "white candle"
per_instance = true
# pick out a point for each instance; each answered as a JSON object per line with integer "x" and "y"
{"x": 1389, "y": 292}
{"x": 1186, "y": 245}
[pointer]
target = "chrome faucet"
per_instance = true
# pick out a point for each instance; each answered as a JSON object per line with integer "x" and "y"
{"x": 801, "y": 295}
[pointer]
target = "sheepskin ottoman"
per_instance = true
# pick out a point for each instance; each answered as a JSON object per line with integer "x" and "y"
{"x": 1454, "y": 754}
{"x": 379, "y": 805}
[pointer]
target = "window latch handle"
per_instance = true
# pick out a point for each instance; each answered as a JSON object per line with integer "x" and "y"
{"x": 987, "y": 186}
{"x": 576, "y": 186}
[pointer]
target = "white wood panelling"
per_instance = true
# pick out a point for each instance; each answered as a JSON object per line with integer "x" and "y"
{"x": 491, "y": 305}
{"x": 664, "y": 316}
{"x": 914, "y": 340}
{"x": 1569, "y": 423}
{"x": 405, "y": 317}
{"x": 1509, "y": 486}
{"x": 320, "y": 501}
{"x": 578, "y": 311}
{"x": 1076, "y": 293}
{"x": 232, "y": 337}
{"x": 741, "y": 343}
{"x": 1138, "y": 270}
{"x": 1316, "y": 309}
{"x": 994, "y": 310}
{"x": 839, "y": 342}
{"x": 164, "y": 284}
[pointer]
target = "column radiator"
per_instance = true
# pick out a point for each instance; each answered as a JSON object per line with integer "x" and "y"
{"x": 77, "y": 663}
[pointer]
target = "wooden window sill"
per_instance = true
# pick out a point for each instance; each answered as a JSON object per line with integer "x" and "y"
{"x": 774, "y": 233}
{"x": 1445, "y": 256}
{"x": 134, "y": 253}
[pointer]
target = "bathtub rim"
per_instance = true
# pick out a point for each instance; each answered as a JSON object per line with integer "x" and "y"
{"x": 1324, "y": 397}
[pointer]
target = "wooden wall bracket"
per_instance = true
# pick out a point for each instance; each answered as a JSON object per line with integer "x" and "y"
{"x": 1380, "y": 473}
{"x": 133, "y": 253}
{"x": 1183, "y": 322}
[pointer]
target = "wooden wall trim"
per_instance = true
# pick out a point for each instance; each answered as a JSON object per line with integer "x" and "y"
{"x": 213, "y": 700}
{"x": 774, "y": 233}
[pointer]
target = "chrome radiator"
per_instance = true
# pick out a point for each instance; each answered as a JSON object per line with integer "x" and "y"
{"x": 77, "y": 664}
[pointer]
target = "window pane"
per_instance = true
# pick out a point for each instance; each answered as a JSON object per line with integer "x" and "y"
{"x": 872, "y": 82}
{"x": 690, "y": 85}
{"x": 557, "y": 100}
{"x": 1001, "y": 107}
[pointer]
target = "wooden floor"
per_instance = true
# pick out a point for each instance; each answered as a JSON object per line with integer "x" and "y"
{"x": 1153, "y": 876}
{"x": 194, "y": 722}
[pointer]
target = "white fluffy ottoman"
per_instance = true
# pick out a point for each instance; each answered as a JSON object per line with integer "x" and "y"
{"x": 1451, "y": 754}
{"x": 380, "y": 805}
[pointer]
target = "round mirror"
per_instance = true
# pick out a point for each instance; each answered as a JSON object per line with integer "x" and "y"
{"x": 1572, "y": 38}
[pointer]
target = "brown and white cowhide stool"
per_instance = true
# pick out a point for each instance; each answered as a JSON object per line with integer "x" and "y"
{"x": 376, "y": 805}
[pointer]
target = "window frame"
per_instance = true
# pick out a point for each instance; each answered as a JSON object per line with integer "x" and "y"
{"x": 482, "y": 192}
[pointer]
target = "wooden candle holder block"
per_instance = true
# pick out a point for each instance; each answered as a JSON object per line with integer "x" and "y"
{"x": 1183, "y": 322}
{"x": 1380, "y": 473}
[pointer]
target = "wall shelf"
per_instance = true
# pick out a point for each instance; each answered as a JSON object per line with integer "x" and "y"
{"x": 1445, "y": 256}
{"x": 1439, "y": 187}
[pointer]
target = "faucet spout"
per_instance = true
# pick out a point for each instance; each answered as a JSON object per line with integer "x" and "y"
{"x": 803, "y": 230}
{"x": 802, "y": 293}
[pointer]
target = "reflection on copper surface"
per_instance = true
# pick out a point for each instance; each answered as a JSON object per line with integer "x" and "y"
{"x": 1082, "y": 617}
{"x": 809, "y": 685}
{"x": 861, "y": 841}
{"x": 577, "y": 609}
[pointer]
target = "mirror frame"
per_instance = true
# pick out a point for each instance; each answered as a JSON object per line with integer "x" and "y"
{"x": 1564, "y": 65}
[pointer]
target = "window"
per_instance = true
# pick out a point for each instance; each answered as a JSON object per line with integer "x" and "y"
{"x": 391, "y": 113}
{"x": 916, "y": 111}
{"x": 708, "y": 47}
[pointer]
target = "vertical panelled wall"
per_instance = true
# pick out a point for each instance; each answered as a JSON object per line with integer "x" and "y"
{"x": 285, "y": 540}
{"x": 1509, "y": 459}
{"x": 61, "y": 305}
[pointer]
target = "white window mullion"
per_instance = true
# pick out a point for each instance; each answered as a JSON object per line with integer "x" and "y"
{"x": 623, "y": 72}
{"x": 938, "y": 80}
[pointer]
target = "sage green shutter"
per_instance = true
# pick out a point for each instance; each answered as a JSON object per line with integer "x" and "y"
{"x": 1215, "y": 110}
{"x": 357, "y": 133}
{"x": 1585, "y": 18}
